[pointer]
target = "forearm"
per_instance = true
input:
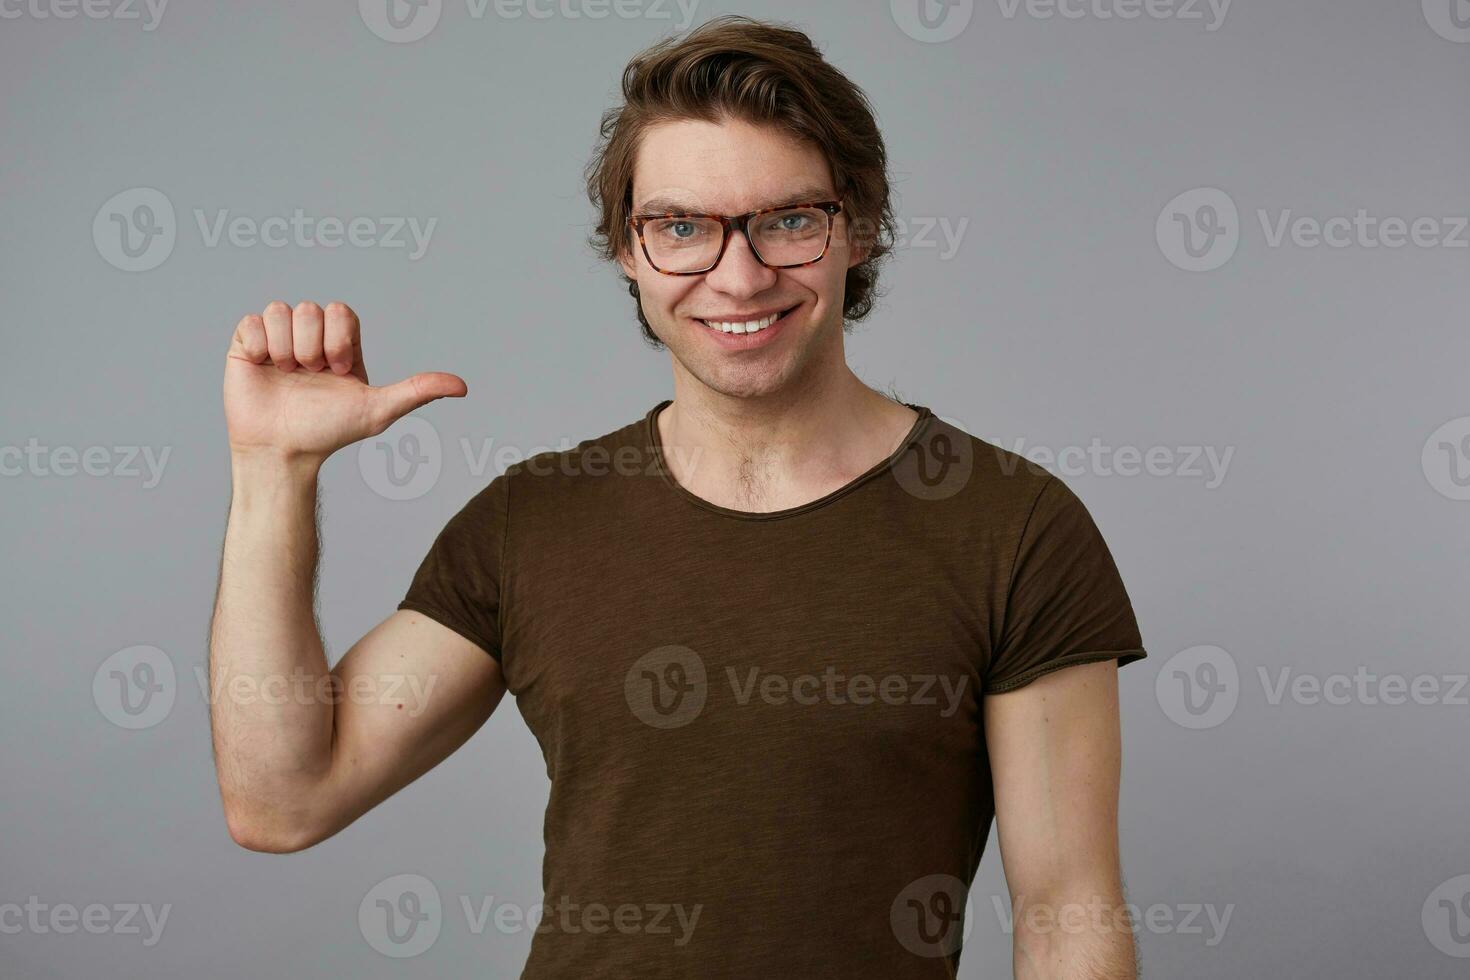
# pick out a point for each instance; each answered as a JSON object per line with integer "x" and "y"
{"x": 272, "y": 726}
{"x": 1084, "y": 937}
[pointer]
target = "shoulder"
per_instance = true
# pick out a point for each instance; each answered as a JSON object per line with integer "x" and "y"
{"x": 595, "y": 466}
{"x": 979, "y": 477}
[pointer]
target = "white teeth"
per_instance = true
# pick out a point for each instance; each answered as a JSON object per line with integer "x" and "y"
{"x": 749, "y": 326}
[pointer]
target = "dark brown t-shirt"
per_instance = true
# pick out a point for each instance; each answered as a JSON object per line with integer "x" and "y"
{"x": 763, "y": 730}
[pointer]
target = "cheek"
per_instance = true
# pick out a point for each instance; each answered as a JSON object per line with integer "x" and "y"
{"x": 662, "y": 294}
{"x": 824, "y": 281}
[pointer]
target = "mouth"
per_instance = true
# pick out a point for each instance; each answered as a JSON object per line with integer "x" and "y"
{"x": 731, "y": 325}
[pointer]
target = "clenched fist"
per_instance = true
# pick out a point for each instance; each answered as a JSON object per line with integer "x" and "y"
{"x": 296, "y": 385}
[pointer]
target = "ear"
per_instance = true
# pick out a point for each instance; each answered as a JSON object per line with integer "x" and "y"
{"x": 857, "y": 247}
{"x": 629, "y": 263}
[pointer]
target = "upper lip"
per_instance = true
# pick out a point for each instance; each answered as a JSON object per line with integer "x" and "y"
{"x": 745, "y": 317}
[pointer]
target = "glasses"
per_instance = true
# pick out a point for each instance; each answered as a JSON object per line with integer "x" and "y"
{"x": 781, "y": 238}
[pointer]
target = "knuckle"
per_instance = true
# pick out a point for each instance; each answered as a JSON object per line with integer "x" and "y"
{"x": 276, "y": 308}
{"x": 307, "y": 308}
{"x": 338, "y": 308}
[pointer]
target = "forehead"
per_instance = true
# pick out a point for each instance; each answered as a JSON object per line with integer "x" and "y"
{"x": 727, "y": 167}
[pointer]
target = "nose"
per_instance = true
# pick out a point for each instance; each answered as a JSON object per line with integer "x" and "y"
{"x": 739, "y": 272}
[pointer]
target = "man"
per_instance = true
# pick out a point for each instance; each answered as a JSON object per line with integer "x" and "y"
{"x": 788, "y": 645}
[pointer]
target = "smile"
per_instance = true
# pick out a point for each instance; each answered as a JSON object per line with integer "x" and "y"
{"x": 744, "y": 326}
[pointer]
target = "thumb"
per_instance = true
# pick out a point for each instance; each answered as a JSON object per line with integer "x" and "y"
{"x": 392, "y": 402}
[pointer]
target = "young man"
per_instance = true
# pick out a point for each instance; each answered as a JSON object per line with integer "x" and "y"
{"x": 788, "y": 645}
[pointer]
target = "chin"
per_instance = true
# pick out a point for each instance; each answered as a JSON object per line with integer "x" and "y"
{"x": 750, "y": 381}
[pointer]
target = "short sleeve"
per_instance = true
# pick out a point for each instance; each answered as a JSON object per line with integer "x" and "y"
{"x": 1066, "y": 603}
{"x": 458, "y": 583}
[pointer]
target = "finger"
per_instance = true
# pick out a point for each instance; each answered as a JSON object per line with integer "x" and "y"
{"x": 249, "y": 340}
{"x": 306, "y": 336}
{"x": 277, "y": 317}
{"x": 340, "y": 343}
{"x": 394, "y": 401}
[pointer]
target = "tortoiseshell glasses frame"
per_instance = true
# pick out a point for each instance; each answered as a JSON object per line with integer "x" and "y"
{"x": 731, "y": 222}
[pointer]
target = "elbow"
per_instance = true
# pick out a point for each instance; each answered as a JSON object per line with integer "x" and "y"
{"x": 252, "y": 839}
{"x": 268, "y": 836}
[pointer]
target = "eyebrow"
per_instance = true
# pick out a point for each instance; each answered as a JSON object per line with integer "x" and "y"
{"x": 674, "y": 205}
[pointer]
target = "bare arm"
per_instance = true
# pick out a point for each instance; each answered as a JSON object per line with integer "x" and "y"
{"x": 1055, "y": 754}
{"x": 301, "y": 751}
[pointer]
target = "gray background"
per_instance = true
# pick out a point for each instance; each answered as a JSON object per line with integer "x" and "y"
{"x": 1334, "y": 543}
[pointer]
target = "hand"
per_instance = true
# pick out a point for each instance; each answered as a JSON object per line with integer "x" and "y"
{"x": 296, "y": 386}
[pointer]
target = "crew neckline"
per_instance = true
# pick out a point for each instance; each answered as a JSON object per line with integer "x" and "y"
{"x": 650, "y": 425}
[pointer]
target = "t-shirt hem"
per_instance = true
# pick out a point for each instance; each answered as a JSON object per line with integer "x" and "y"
{"x": 448, "y": 619}
{"x": 1124, "y": 657}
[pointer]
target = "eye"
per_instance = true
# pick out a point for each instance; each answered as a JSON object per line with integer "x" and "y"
{"x": 795, "y": 223}
{"x": 678, "y": 231}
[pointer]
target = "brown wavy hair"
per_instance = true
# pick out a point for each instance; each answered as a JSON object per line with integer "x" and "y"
{"x": 765, "y": 74}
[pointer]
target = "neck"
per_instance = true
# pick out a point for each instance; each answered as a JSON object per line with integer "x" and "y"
{"x": 775, "y": 451}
